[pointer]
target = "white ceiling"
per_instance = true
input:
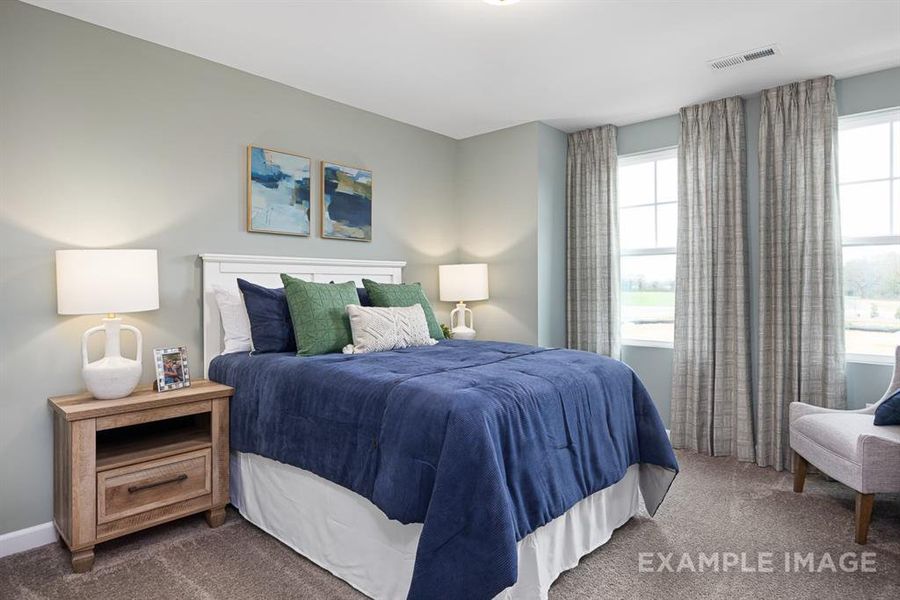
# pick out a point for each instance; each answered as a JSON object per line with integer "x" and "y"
{"x": 465, "y": 67}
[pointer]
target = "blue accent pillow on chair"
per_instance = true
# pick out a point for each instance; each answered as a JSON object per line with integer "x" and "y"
{"x": 888, "y": 412}
{"x": 271, "y": 328}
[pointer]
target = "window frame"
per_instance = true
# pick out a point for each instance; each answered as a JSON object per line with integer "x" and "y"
{"x": 638, "y": 158}
{"x": 864, "y": 119}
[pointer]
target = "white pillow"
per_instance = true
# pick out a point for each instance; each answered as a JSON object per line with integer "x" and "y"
{"x": 235, "y": 321}
{"x": 379, "y": 329}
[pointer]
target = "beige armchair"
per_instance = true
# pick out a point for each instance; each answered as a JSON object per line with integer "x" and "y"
{"x": 847, "y": 446}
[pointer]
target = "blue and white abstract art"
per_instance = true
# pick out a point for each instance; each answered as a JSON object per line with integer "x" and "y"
{"x": 346, "y": 203}
{"x": 278, "y": 192}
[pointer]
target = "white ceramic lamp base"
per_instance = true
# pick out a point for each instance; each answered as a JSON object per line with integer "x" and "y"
{"x": 113, "y": 376}
{"x": 458, "y": 327}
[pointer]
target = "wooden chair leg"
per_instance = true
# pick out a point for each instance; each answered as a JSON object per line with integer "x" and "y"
{"x": 864, "y": 504}
{"x": 799, "y": 472}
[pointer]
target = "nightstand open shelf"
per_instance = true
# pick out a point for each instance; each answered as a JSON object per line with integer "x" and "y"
{"x": 124, "y": 465}
{"x": 150, "y": 441}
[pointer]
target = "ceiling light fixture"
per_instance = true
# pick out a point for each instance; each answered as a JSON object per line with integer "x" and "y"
{"x": 500, "y": 2}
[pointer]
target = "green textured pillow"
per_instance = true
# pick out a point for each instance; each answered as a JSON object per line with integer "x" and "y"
{"x": 319, "y": 314}
{"x": 400, "y": 295}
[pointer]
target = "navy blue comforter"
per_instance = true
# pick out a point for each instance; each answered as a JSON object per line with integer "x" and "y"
{"x": 482, "y": 442}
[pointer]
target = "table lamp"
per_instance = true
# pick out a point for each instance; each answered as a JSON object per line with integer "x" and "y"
{"x": 459, "y": 283}
{"x": 91, "y": 282}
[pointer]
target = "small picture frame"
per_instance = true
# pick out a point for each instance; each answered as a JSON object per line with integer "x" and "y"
{"x": 172, "y": 371}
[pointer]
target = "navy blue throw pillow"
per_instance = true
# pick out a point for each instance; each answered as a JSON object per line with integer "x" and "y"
{"x": 888, "y": 412}
{"x": 271, "y": 327}
{"x": 363, "y": 297}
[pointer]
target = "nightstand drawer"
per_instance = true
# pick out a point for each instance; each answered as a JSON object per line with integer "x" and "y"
{"x": 145, "y": 486}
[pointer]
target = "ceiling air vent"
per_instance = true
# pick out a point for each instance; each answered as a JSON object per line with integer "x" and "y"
{"x": 727, "y": 62}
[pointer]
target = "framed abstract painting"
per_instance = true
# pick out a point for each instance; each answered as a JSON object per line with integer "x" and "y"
{"x": 278, "y": 192}
{"x": 346, "y": 203}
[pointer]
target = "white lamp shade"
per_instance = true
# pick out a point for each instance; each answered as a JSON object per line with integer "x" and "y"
{"x": 462, "y": 283}
{"x": 93, "y": 282}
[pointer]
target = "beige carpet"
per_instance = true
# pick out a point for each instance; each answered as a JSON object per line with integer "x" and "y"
{"x": 715, "y": 505}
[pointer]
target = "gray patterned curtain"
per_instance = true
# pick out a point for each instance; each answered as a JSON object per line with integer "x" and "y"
{"x": 711, "y": 386}
{"x": 592, "y": 244}
{"x": 801, "y": 327}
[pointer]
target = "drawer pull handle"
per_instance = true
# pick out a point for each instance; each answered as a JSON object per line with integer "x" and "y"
{"x": 137, "y": 488}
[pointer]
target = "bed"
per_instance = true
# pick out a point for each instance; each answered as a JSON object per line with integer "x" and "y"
{"x": 464, "y": 469}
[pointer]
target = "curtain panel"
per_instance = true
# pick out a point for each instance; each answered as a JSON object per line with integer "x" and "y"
{"x": 801, "y": 328}
{"x": 711, "y": 383}
{"x": 592, "y": 242}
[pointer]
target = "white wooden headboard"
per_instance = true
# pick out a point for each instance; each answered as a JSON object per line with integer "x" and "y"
{"x": 225, "y": 269}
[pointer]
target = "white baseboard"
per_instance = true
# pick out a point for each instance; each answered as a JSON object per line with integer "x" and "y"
{"x": 26, "y": 539}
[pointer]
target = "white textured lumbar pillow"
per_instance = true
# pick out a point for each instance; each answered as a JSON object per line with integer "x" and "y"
{"x": 377, "y": 329}
{"x": 235, "y": 322}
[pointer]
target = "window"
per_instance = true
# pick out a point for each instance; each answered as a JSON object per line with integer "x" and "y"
{"x": 869, "y": 182}
{"x": 648, "y": 222}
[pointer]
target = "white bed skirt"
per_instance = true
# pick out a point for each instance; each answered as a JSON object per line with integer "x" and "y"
{"x": 350, "y": 537}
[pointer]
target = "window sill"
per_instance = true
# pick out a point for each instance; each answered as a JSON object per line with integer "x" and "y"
{"x": 648, "y": 344}
{"x": 869, "y": 359}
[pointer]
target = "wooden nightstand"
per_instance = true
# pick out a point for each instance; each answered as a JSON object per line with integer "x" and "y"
{"x": 120, "y": 466}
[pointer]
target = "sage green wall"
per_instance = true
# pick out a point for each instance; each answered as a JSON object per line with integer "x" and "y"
{"x": 873, "y": 91}
{"x": 107, "y": 140}
{"x": 497, "y": 197}
{"x": 551, "y": 220}
{"x": 511, "y": 196}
